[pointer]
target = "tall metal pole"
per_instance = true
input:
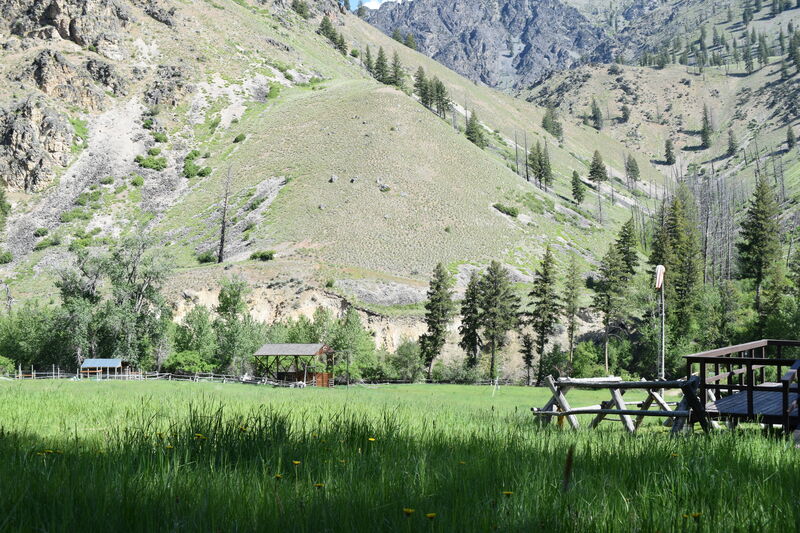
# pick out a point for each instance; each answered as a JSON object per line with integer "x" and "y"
{"x": 663, "y": 335}
{"x": 660, "y": 282}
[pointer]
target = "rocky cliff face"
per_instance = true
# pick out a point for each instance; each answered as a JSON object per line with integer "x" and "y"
{"x": 34, "y": 140}
{"x": 508, "y": 44}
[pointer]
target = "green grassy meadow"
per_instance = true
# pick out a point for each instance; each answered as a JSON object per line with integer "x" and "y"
{"x": 157, "y": 456}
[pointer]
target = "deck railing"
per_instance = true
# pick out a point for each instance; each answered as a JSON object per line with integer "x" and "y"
{"x": 743, "y": 367}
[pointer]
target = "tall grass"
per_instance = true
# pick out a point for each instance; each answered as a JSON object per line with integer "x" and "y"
{"x": 152, "y": 457}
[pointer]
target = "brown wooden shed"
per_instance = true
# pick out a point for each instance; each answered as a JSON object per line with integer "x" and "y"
{"x": 311, "y": 364}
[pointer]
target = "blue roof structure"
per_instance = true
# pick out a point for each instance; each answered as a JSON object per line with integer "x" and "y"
{"x": 102, "y": 363}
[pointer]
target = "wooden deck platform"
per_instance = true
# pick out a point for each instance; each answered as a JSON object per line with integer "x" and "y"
{"x": 767, "y": 404}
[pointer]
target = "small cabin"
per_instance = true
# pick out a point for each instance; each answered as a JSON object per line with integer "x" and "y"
{"x": 311, "y": 364}
{"x": 101, "y": 368}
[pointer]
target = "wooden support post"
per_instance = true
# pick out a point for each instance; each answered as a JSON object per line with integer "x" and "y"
{"x": 561, "y": 401}
{"x": 627, "y": 422}
{"x": 645, "y": 406}
{"x": 698, "y": 409}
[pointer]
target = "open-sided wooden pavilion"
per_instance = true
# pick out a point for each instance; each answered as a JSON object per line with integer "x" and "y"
{"x": 752, "y": 382}
{"x": 311, "y": 364}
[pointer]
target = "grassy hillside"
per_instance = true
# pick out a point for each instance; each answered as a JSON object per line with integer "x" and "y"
{"x": 328, "y": 167}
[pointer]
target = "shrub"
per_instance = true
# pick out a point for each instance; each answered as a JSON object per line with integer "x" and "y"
{"x": 40, "y": 232}
{"x": 264, "y": 255}
{"x": 75, "y": 214}
{"x": 87, "y": 197}
{"x": 108, "y": 180}
{"x": 354, "y": 52}
{"x": 189, "y": 362}
{"x": 507, "y": 210}
{"x": 203, "y": 172}
{"x": 154, "y": 151}
{"x": 6, "y": 365}
{"x": 214, "y": 123}
{"x": 152, "y": 162}
{"x": 190, "y": 169}
{"x": 160, "y": 137}
{"x": 239, "y": 138}
{"x": 274, "y": 90}
{"x": 301, "y": 8}
{"x": 53, "y": 240}
{"x": 206, "y": 257}
{"x": 147, "y": 124}
{"x": 329, "y": 283}
{"x": 137, "y": 180}
{"x": 5, "y": 257}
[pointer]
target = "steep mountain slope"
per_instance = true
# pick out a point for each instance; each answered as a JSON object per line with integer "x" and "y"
{"x": 509, "y": 44}
{"x": 358, "y": 188}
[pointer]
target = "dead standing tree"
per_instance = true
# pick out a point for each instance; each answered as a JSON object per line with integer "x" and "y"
{"x": 224, "y": 219}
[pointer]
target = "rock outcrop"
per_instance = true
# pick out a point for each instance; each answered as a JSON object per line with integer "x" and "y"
{"x": 170, "y": 85}
{"x": 95, "y": 23}
{"x": 34, "y": 141}
{"x": 508, "y": 44}
{"x": 57, "y": 77}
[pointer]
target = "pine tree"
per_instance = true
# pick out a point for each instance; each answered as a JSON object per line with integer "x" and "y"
{"x": 440, "y": 97}
{"x": 546, "y": 177}
{"x": 597, "y": 170}
{"x": 748, "y": 59}
{"x": 790, "y": 138}
{"x": 669, "y": 152}
{"x": 535, "y": 161}
{"x": 626, "y": 244}
{"x": 422, "y": 87}
{"x": 326, "y": 28}
{"x": 381, "y": 68}
{"x": 527, "y": 350}
{"x": 439, "y": 309}
{"x": 499, "y": 310}
{"x": 578, "y": 189}
{"x": 685, "y": 266}
{"x": 626, "y": 114}
{"x": 733, "y": 144}
{"x": 474, "y": 131}
{"x": 706, "y": 130}
{"x": 341, "y": 45}
{"x": 411, "y": 42}
{"x": 362, "y": 10}
{"x": 597, "y": 115}
{"x": 571, "y": 297}
{"x": 760, "y": 236}
{"x": 470, "y": 329}
{"x": 368, "y": 62}
{"x": 396, "y": 75}
{"x": 631, "y": 169}
{"x": 545, "y": 307}
{"x": 551, "y": 124}
{"x": 396, "y": 36}
{"x": 609, "y": 294}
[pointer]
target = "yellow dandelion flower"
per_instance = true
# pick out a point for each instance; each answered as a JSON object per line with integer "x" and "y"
{"x": 462, "y": 462}
{"x": 319, "y": 485}
{"x": 408, "y": 511}
{"x": 278, "y": 476}
{"x": 342, "y": 461}
{"x": 697, "y": 515}
{"x": 673, "y": 455}
{"x": 242, "y": 428}
{"x": 199, "y": 436}
{"x": 169, "y": 446}
{"x": 430, "y": 516}
{"x": 371, "y": 439}
{"x": 295, "y": 463}
{"x": 685, "y": 515}
{"x": 507, "y": 493}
